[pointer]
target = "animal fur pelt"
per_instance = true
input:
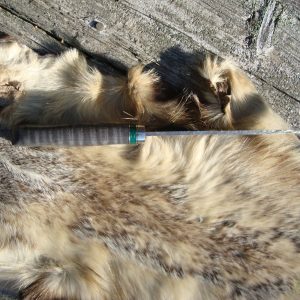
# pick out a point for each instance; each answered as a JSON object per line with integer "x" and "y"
{"x": 175, "y": 218}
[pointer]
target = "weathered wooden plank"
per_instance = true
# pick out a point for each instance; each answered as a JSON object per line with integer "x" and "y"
{"x": 28, "y": 33}
{"x": 262, "y": 36}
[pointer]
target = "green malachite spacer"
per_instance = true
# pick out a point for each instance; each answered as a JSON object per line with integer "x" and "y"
{"x": 132, "y": 134}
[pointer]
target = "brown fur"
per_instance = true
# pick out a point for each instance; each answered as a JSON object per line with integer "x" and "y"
{"x": 175, "y": 218}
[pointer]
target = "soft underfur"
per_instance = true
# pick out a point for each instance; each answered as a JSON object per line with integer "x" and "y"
{"x": 175, "y": 218}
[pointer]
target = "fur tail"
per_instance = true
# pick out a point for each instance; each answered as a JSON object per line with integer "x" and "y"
{"x": 66, "y": 90}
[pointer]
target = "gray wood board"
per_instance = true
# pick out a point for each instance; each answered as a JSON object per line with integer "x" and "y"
{"x": 262, "y": 36}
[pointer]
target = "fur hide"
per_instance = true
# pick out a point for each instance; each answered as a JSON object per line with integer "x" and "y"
{"x": 180, "y": 218}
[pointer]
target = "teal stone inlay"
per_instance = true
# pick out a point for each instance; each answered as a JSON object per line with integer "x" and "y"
{"x": 132, "y": 134}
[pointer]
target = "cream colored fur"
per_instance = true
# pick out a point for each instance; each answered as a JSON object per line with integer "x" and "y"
{"x": 176, "y": 218}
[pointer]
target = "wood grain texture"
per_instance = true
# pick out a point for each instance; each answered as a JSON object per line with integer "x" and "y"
{"x": 262, "y": 36}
